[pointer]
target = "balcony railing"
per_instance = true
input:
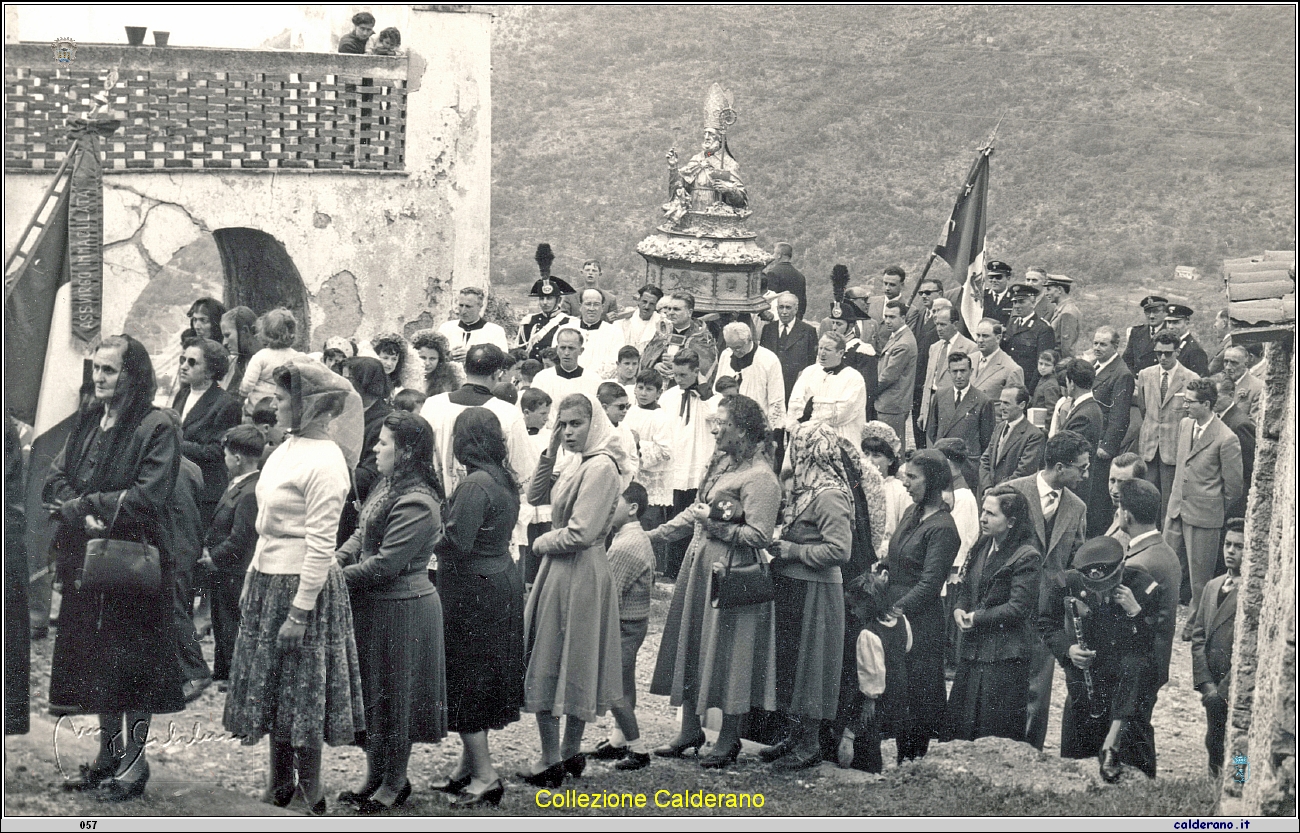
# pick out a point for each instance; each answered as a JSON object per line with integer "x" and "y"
{"x": 184, "y": 108}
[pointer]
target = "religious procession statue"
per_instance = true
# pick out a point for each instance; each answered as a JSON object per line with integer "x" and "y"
{"x": 704, "y": 244}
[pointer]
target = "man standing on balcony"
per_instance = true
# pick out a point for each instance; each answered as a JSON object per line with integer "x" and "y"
{"x": 354, "y": 42}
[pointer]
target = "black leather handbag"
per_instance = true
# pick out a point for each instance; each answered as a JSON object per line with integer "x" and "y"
{"x": 748, "y": 584}
{"x": 120, "y": 566}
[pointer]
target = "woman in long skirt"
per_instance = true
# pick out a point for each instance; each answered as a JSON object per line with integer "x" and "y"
{"x": 575, "y": 662}
{"x": 483, "y": 597}
{"x": 996, "y": 608}
{"x": 397, "y": 612}
{"x": 295, "y": 674}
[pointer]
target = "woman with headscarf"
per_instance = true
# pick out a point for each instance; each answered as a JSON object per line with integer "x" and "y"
{"x": 371, "y": 384}
{"x": 114, "y": 479}
{"x": 816, "y": 540}
{"x": 396, "y": 612}
{"x": 295, "y": 674}
{"x": 575, "y": 664}
{"x": 483, "y": 596}
{"x": 440, "y": 373}
{"x": 996, "y": 609}
{"x": 239, "y": 335}
{"x": 920, "y": 555}
{"x": 710, "y": 657}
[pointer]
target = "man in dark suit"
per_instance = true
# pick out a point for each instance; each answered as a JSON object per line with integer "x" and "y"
{"x": 206, "y": 412}
{"x": 1027, "y": 334}
{"x": 1207, "y": 480}
{"x": 1084, "y": 416}
{"x": 793, "y": 341}
{"x": 230, "y": 541}
{"x": 1191, "y": 354}
{"x": 1060, "y": 519}
{"x": 961, "y": 411}
{"x": 1232, "y": 411}
{"x": 1213, "y": 630}
{"x": 781, "y": 276}
{"x": 920, "y": 320}
{"x": 1016, "y": 448}
{"x": 1112, "y": 389}
{"x": 1139, "y": 512}
{"x": 1139, "y": 353}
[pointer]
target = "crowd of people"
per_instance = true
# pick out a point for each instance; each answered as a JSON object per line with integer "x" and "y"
{"x": 892, "y": 524}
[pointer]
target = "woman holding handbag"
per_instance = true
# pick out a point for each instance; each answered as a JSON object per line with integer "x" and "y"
{"x": 816, "y": 540}
{"x": 112, "y": 482}
{"x": 721, "y": 657}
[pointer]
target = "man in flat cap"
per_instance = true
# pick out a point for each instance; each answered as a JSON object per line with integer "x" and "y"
{"x": 1027, "y": 334}
{"x": 1140, "y": 354}
{"x": 1191, "y": 355}
{"x": 1065, "y": 315}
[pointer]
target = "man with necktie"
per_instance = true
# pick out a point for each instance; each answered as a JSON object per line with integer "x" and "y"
{"x": 792, "y": 340}
{"x": 1016, "y": 449}
{"x": 1159, "y": 398}
{"x": 1065, "y": 317}
{"x": 949, "y": 340}
{"x": 961, "y": 411}
{"x": 920, "y": 320}
{"x": 1139, "y": 352}
{"x": 1213, "y": 631}
{"x": 1027, "y": 334}
{"x": 1112, "y": 388}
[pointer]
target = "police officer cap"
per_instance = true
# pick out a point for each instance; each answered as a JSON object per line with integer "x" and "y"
{"x": 1179, "y": 311}
{"x": 997, "y": 267}
{"x": 1025, "y": 290}
{"x": 1154, "y": 301}
{"x": 1100, "y": 563}
{"x": 846, "y": 310}
{"x": 550, "y": 288}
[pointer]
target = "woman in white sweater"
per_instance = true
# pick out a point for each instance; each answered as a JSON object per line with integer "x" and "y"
{"x": 295, "y": 674}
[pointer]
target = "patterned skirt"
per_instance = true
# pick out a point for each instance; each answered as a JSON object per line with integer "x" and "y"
{"x": 305, "y": 697}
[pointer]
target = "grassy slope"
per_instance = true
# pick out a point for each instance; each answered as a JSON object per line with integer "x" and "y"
{"x": 850, "y": 148}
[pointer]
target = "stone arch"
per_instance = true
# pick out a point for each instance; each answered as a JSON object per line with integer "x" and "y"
{"x": 260, "y": 275}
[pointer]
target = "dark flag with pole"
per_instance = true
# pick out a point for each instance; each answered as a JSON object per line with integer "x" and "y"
{"x": 961, "y": 242}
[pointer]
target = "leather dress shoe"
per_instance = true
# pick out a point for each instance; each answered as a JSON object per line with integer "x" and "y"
{"x": 90, "y": 777}
{"x": 633, "y": 760}
{"x": 777, "y": 751}
{"x": 678, "y": 750}
{"x": 373, "y": 807}
{"x": 606, "y": 751}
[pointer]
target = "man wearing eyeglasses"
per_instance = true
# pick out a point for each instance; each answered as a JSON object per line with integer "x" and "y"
{"x": 1159, "y": 399}
{"x": 1060, "y": 520}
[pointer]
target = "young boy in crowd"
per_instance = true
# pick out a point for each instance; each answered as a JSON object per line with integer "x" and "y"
{"x": 527, "y": 370}
{"x": 649, "y": 424}
{"x": 613, "y": 398}
{"x": 533, "y": 520}
{"x": 882, "y": 673}
{"x": 229, "y": 543}
{"x": 264, "y": 417}
{"x": 1212, "y": 634}
{"x": 726, "y": 386}
{"x": 409, "y": 399}
{"x": 629, "y": 364}
{"x": 632, "y": 564}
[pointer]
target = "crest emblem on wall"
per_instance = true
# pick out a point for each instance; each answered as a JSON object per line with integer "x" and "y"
{"x": 65, "y": 49}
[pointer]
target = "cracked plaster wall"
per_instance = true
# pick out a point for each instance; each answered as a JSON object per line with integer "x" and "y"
{"x": 376, "y": 252}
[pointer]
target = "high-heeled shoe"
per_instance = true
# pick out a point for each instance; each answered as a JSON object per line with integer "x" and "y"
{"x": 717, "y": 760}
{"x": 120, "y": 789}
{"x": 678, "y": 750}
{"x": 374, "y": 807}
{"x": 452, "y": 786}
{"x": 492, "y": 795}
{"x": 551, "y": 777}
{"x": 349, "y": 797}
{"x": 91, "y": 776}
{"x": 576, "y": 765}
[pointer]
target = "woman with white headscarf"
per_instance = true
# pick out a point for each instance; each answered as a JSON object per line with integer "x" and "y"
{"x": 571, "y": 620}
{"x": 295, "y": 674}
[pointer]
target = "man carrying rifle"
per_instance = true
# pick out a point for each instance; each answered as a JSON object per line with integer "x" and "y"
{"x": 1100, "y": 620}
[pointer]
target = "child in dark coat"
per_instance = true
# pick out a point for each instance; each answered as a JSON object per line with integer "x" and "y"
{"x": 882, "y": 678}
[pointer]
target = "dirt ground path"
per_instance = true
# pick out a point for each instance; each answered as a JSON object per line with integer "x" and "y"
{"x": 198, "y": 770}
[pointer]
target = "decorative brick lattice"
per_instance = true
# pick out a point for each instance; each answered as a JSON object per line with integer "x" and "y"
{"x": 185, "y": 118}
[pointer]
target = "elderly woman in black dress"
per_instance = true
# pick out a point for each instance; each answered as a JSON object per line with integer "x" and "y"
{"x": 396, "y": 613}
{"x": 483, "y": 596}
{"x": 995, "y": 609}
{"x": 816, "y": 541}
{"x": 920, "y": 555}
{"x": 113, "y": 479}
